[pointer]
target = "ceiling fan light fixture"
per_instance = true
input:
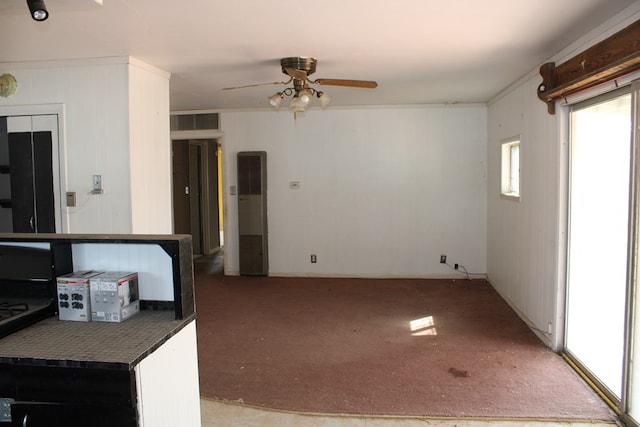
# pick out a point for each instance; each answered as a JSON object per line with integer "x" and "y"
{"x": 324, "y": 98}
{"x": 305, "y": 97}
{"x": 302, "y": 91}
{"x": 276, "y": 99}
{"x": 297, "y": 105}
{"x": 38, "y": 10}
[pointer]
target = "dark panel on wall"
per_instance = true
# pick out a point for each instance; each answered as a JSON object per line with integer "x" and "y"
{"x": 252, "y": 213}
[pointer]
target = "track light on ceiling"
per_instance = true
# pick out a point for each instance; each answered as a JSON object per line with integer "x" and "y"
{"x": 38, "y": 10}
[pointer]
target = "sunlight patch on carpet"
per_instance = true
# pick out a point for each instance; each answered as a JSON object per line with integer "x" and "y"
{"x": 424, "y": 326}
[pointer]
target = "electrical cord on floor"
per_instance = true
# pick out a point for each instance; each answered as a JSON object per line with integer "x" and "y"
{"x": 460, "y": 267}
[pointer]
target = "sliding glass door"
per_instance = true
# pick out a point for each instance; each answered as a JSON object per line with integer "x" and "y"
{"x": 631, "y": 391}
{"x": 600, "y": 207}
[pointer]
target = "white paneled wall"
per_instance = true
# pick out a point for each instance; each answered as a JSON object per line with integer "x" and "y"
{"x": 523, "y": 236}
{"x": 383, "y": 191}
{"x": 150, "y": 150}
{"x": 98, "y": 137}
{"x": 526, "y": 239}
{"x": 150, "y": 261}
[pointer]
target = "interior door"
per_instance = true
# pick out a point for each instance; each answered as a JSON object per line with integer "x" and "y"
{"x": 30, "y": 160}
{"x": 181, "y": 214}
{"x": 213, "y": 200}
{"x": 195, "y": 197}
{"x": 598, "y": 243}
{"x": 6, "y": 221}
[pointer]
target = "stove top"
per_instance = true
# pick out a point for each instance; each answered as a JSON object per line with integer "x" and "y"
{"x": 19, "y": 312}
{"x": 27, "y": 287}
{"x": 10, "y": 309}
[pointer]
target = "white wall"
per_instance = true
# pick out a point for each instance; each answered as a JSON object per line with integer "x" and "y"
{"x": 150, "y": 261}
{"x": 97, "y": 137}
{"x": 526, "y": 239}
{"x": 149, "y": 150}
{"x": 522, "y": 236}
{"x": 383, "y": 191}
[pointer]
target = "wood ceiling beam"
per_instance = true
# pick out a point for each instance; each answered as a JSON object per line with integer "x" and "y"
{"x": 613, "y": 57}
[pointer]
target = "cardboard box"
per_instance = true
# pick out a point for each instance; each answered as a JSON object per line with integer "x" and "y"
{"x": 74, "y": 302}
{"x": 114, "y": 296}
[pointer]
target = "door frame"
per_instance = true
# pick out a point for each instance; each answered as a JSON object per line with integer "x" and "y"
{"x": 59, "y": 166}
{"x": 630, "y": 82}
{"x": 602, "y": 387}
{"x": 196, "y": 136}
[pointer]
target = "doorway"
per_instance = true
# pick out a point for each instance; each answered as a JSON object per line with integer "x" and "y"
{"x": 196, "y": 198}
{"x": 598, "y": 258}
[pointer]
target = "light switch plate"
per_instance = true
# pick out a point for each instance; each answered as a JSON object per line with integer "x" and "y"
{"x": 71, "y": 198}
{"x": 97, "y": 184}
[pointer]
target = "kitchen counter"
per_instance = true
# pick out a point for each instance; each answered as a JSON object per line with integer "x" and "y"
{"x": 141, "y": 372}
{"x": 57, "y": 343}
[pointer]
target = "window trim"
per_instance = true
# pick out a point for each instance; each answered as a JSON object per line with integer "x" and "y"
{"x": 506, "y": 172}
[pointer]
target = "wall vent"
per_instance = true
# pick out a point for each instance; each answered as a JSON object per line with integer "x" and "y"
{"x": 204, "y": 121}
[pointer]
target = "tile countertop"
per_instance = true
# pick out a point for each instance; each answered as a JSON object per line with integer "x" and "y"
{"x": 59, "y": 343}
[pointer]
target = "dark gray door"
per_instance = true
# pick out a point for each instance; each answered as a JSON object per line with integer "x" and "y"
{"x": 30, "y": 165}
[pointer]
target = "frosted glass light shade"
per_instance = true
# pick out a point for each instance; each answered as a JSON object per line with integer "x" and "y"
{"x": 275, "y": 100}
{"x": 324, "y": 99}
{"x": 305, "y": 97}
{"x": 296, "y": 105}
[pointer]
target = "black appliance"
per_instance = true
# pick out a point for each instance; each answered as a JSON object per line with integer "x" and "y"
{"x": 27, "y": 285}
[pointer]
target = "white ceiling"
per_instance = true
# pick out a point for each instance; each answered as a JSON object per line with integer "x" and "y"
{"x": 419, "y": 51}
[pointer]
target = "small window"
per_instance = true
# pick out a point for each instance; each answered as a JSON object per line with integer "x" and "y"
{"x": 510, "y": 180}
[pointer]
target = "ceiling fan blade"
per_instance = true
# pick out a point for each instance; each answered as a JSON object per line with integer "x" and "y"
{"x": 294, "y": 73}
{"x": 368, "y": 84}
{"x": 258, "y": 84}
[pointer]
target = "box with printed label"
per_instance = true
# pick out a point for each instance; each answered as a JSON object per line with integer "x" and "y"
{"x": 74, "y": 302}
{"x": 114, "y": 296}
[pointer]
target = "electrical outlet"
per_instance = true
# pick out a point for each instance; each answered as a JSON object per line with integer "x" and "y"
{"x": 443, "y": 259}
{"x": 455, "y": 266}
{"x": 314, "y": 259}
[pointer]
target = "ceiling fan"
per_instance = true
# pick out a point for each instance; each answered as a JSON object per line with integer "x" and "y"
{"x": 299, "y": 69}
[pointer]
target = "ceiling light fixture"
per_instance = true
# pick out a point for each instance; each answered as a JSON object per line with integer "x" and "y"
{"x": 38, "y": 10}
{"x": 301, "y": 97}
{"x": 324, "y": 99}
{"x": 301, "y": 93}
{"x": 299, "y": 68}
{"x": 276, "y": 100}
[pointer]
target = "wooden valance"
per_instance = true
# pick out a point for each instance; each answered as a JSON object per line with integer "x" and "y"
{"x": 613, "y": 57}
